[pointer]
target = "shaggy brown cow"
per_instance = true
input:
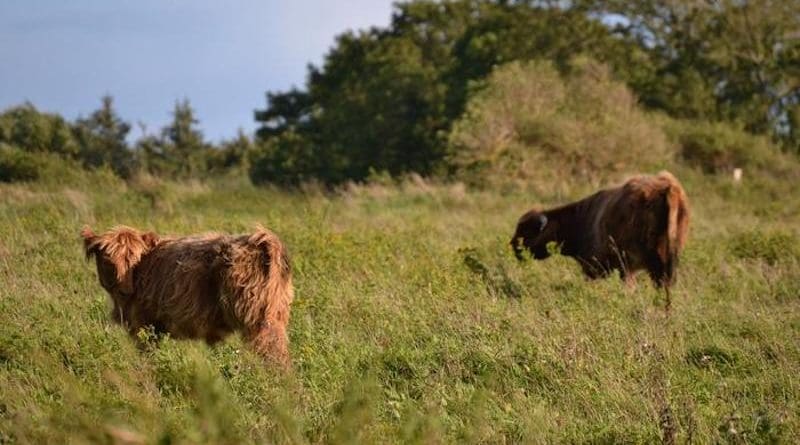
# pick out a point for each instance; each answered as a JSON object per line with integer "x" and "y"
{"x": 641, "y": 224}
{"x": 199, "y": 287}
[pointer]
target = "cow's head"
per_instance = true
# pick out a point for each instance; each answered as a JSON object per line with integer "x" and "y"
{"x": 117, "y": 252}
{"x": 534, "y": 231}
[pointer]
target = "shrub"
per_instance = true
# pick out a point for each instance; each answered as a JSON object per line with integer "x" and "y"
{"x": 33, "y": 131}
{"x": 719, "y": 147}
{"x": 287, "y": 159}
{"x": 17, "y": 165}
{"x": 529, "y": 122}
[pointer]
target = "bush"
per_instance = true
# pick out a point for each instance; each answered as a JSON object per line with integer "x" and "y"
{"x": 718, "y": 147}
{"x": 33, "y": 131}
{"x": 528, "y": 122}
{"x": 286, "y": 159}
{"x": 230, "y": 155}
{"x": 17, "y": 165}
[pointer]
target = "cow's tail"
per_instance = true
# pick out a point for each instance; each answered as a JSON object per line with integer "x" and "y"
{"x": 279, "y": 281}
{"x": 269, "y": 335}
{"x": 261, "y": 274}
{"x": 677, "y": 212}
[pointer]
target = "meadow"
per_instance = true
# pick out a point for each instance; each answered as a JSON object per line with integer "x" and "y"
{"x": 412, "y": 323}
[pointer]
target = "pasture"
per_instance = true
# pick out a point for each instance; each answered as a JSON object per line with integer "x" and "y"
{"x": 412, "y": 323}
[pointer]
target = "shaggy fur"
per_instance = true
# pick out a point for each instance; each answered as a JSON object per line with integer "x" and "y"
{"x": 641, "y": 224}
{"x": 198, "y": 287}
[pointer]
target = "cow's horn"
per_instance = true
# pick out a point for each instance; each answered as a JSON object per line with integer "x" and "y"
{"x": 543, "y": 220}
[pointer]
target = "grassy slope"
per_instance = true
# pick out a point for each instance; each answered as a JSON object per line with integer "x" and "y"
{"x": 412, "y": 323}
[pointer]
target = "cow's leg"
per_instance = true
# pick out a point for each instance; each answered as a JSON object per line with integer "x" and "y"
{"x": 656, "y": 269}
{"x": 629, "y": 277}
{"x": 270, "y": 342}
{"x": 658, "y": 272}
{"x": 214, "y": 336}
{"x": 592, "y": 268}
{"x": 117, "y": 316}
{"x": 146, "y": 331}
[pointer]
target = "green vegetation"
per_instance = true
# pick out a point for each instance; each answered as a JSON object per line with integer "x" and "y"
{"x": 17, "y": 165}
{"x": 721, "y": 76}
{"x": 530, "y": 123}
{"x": 387, "y": 98}
{"x": 30, "y": 140}
{"x": 413, "y": 323}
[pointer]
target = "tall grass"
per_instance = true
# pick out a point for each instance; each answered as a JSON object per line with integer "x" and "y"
{"x": 412, "y": 323}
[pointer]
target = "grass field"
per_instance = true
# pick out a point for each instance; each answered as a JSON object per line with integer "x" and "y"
{"x": 412, "y": 323}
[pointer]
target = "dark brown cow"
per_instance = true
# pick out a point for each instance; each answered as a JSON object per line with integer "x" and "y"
{"x": 641, "y": 224}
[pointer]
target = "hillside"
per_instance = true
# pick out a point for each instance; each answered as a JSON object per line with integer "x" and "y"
{"x": 412, "y": 322}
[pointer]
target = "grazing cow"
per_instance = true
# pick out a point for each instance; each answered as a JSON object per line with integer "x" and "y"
{"x": 200, "y": 287}
{"x": 641, "y": 224}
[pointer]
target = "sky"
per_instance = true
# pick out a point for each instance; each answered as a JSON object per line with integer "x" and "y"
{"x": 222, "y": 55}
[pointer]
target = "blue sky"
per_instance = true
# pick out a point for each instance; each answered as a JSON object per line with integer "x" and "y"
{"x": 222, "y": 55}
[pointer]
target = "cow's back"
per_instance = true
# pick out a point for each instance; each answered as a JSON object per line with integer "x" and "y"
{"x": 636, "y": 220}
{"x": 618, "y": 228}
{"x": 182, "y": 277}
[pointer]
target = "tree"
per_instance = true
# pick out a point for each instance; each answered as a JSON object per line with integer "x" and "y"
{"x": 230, "y": 154}
{"x": 285, "y": 111}
{"x": 102, "y": 140}
{"x": 384, "y": 99}
{"x": 734, "y": 60}
{"x": 285, "y": 159}
{"x": 182, "y": 143}
{"x": 152, "y": 156}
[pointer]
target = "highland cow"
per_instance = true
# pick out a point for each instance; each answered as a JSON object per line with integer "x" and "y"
{"x": 198, "y": 287}
{"x": 641, "y": 224}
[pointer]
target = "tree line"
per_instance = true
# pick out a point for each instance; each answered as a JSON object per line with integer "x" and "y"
{"x": 385, "y": 99}
{"x": 101, "y": 140}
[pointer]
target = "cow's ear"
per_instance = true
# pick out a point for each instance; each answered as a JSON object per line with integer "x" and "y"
{"x": 89, "y": 241}
{"x": 150, "y": 239}
{"x": 124, "y": 263}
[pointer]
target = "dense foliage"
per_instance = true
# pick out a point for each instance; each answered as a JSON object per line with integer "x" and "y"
{"x": 28, "y": 129}
{"x": 728, "y": 60}
{"x": 716, "y": 83}
{"x": 531, "y": 123}
{"x": 386, "y": 99}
